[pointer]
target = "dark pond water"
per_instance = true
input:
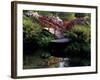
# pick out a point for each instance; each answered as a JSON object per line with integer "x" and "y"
{"x": 53, "y": 57}
{"x": 43, "y": 59}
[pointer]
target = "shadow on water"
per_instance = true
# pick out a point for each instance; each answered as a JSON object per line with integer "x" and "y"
{"x": 53, "y": 56}
{"x": 43, "y": 59}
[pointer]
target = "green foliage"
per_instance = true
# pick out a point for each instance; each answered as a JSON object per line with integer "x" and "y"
{"x": 45, "y": 13}
{"x": 78, "y": 15}
{"x": 80, "y": 41}
{"x": 30, "y": 29}
{"x": 26, "y": 22}
{"x": 42, "y": 39}
{"x": 33, "y": 34}
{"x": 66, "y": 16}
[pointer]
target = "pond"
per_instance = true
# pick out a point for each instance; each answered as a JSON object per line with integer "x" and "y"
{"x": 43, "y": 59}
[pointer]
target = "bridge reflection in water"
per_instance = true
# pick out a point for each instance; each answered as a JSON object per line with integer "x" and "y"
{"x": 56, "y": 47}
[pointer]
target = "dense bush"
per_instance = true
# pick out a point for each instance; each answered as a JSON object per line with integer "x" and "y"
{"x": 34, "y": 36}
{"x": 67, "y": 16}
{"x": 78, "y": 15}
{"x": 80, "y": 41}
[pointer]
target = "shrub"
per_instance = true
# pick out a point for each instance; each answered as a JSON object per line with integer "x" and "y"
{"x": 78, "y": 15}
{"x": 80, "y": 41}
{"x": 33, "y": 35}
